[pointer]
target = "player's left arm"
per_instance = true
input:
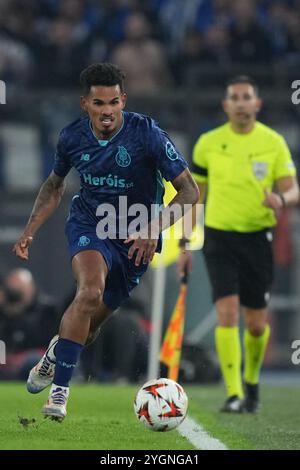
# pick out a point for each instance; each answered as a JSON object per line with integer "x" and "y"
{"x": 287, "y": 195}
{"x": 187, "y": 196}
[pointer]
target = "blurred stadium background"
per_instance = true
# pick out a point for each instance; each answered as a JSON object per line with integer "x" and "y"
{"x": 177, "y": 55}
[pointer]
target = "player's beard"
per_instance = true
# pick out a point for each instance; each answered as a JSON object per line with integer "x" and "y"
{"x": 112, "y": 129}
{"x": 104, "y": 131}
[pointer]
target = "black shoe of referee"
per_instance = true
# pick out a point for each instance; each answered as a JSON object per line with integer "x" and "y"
{"x": 233, "y": 404}
{"x": 251, "y": 402}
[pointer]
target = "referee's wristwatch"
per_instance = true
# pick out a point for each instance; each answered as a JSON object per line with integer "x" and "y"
{"x": 183, "y": 243}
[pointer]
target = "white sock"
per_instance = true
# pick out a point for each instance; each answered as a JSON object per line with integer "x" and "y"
{"x": 54, "y": 387}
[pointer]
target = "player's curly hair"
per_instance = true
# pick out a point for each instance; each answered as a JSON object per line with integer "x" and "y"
{"x": 103, "y": 74}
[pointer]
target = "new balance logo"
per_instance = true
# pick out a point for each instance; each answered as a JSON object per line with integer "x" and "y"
{"x": 85, "y": 157}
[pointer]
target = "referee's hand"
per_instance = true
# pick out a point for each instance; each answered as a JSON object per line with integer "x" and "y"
{"x": 272, "y": 200}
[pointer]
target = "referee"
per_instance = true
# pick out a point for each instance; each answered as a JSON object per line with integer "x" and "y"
{"x": 245, "y": 171}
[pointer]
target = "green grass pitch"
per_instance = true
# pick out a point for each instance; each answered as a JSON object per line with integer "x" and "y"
{"x": 101, "y": 417}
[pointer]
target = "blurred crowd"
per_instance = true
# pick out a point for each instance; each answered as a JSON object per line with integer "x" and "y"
{"x": 46, "y": 43}
{"x": 29, "y": 319}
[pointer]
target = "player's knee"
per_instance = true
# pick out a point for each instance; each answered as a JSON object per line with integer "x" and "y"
{"x": 90, "y": 297}
{"x": 228, "y": 315}
{"x": 256, "y": 329}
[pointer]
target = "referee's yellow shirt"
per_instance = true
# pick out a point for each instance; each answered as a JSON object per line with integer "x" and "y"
{"x": 238, "y": 168}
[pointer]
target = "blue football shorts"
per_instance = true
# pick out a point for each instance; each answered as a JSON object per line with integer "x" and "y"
{"x": 122, "y": 276}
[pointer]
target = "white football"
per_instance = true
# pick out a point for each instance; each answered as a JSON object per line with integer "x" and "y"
{"x": 161, "y": 404}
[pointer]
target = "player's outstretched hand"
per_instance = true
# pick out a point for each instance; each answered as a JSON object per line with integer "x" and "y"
{"x": 184, "y": 263}
{"x": 272, "y": 200}
{"x": 145, "y": 248}
{"x": 20, "y": 249}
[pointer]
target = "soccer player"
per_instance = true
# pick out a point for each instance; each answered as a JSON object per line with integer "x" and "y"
{"x": 247, "y": 172}
{"x": 117, "y": 154}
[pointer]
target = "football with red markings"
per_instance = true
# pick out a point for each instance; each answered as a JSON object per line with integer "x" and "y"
{"x": 161, "y": 404}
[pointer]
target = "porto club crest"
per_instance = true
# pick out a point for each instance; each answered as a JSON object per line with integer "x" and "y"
{"x": 123, "y": 158}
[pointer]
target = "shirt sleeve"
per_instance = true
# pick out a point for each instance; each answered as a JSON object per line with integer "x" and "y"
{"x": 284, "y": 165}
{"x": 62, "y": 163}
{"x": 199, "y": 164}
{"x": 169, "y": 160}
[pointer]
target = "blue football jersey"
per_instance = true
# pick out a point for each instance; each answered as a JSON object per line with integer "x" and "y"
{"x": 132, "y": 164}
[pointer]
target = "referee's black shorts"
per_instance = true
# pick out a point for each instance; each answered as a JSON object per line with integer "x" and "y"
{"x": 240, "y": 263}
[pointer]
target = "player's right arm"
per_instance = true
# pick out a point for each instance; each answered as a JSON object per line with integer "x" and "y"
{"x": 47, "y": 201}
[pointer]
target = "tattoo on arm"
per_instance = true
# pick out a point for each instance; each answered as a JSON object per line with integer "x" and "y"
{"x": 187, "y": 196}
{"x": 47, "y": 200}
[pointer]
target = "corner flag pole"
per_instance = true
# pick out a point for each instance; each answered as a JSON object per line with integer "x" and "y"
{"x": 170, "y": 353}
{"x": 157, "y": 318}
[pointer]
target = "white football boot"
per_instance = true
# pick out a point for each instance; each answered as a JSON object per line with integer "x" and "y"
{"x": 56, "y": 405}
{"x": 42, "y": 374}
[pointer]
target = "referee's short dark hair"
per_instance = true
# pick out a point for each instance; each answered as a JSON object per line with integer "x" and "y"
{"x": 238, "y": 79}
{"x": 103, "y": 74}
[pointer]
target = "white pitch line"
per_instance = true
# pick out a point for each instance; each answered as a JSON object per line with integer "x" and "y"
{"x": 197, "y": 435}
